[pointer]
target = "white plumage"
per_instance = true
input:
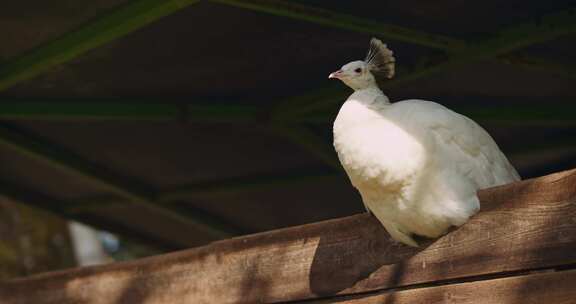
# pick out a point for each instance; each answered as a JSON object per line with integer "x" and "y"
{"x": 416, "y": 164}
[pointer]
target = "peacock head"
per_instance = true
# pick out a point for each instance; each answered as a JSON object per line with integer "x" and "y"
{"x": 361, "y": 74}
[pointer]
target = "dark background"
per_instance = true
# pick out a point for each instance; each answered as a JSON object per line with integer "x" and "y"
{"x": 215, "y": 121}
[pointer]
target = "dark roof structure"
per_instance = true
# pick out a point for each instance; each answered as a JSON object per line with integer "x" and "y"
{"x": 180, "y": 122}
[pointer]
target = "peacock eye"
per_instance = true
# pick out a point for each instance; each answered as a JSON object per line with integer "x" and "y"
{"x": 358, "y": 70}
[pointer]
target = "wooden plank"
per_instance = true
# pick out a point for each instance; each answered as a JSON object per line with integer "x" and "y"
{"x": 526, "y": 225}
{"x": 555, "y": 287}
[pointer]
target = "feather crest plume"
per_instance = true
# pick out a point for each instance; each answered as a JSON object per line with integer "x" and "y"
{"x": 380, "y": 59}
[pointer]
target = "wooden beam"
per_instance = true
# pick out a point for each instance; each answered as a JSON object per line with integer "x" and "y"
{"x": 125, "y": 19}
{"x": 224, "y": 113}
{"x": 123, "y": 109}
{"x": 553, "y": 287}
{"x": 146, "y": 110}
{"x": 215, "y": 189}
{"x": 504, "y": 42}
{"x": 39, "y": 149}
{"x": 532, "y": 112}
{"x": 239, "y": 185}
{"x": 539, "y": 64}
{"x": 347, "y": 22}
{"x": 395, "y": 32}
{"x": 24, "y": 195}
{"x": 522, "y": 226}
{"x": 87, "y": 109}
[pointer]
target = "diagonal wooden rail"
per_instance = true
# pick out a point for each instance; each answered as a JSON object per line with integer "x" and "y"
{"x": 60, "y": 158}
{"x": 523, "y": 228}
{"x": 24, "y": 195}
{"x": 88, "y": 110}
{"x": 501, "y": 45}
{"x": 125, "y": 19}
{"x": 325, "y": 17}
{"x": 111, "y": 109}
{"x": 117, "y": 109}
{"x": 215, "y": 189}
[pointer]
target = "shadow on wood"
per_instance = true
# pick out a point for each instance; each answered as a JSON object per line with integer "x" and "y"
{"x": 523, "y": 226}
{"x": 347, "y": 257}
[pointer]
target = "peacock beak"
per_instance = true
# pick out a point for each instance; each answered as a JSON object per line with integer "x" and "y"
{"x": 336, "y": 74}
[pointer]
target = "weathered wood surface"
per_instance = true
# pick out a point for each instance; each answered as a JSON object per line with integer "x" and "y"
{"x": 530, "y": 224}
{"x": 546, "y": 288}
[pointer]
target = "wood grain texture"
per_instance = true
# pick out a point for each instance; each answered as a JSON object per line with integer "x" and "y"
{"x": 555, "y": 287}
{"x": 530, "y": 224}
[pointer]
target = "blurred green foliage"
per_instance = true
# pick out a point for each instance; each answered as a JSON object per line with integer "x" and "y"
{"x": 32, "y": 241}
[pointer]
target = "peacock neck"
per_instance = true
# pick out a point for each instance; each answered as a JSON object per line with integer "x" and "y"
{"x": 371, "y": 95}
{"x": 373, "y": 90}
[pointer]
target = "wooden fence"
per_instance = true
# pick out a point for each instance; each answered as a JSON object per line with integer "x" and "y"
{"x": 521, "y": 248}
